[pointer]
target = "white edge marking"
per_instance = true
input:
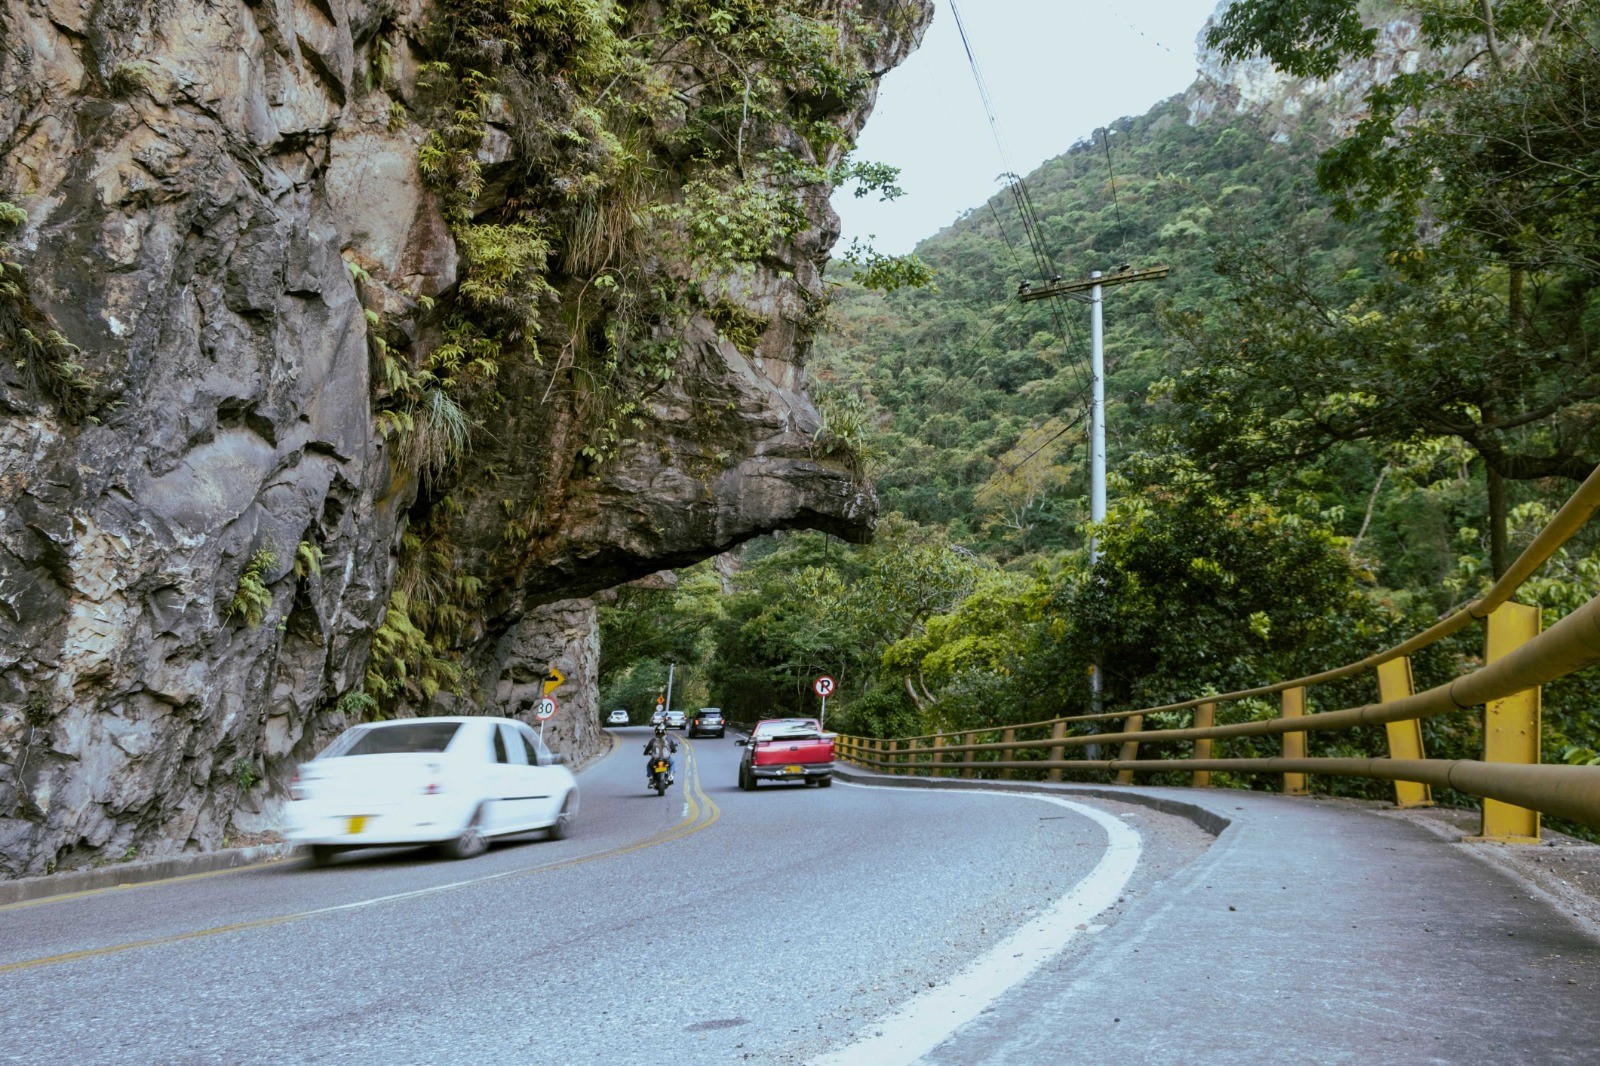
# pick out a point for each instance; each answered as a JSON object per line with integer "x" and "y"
{"x": 930, "y": 1017}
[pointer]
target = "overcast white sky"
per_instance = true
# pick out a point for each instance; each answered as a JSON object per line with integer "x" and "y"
{"x": 1056, "y": 71}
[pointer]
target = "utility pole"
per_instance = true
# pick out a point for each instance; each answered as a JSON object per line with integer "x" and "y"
{"x": 1096, "y": 284}
{"x": 671, "y": 668}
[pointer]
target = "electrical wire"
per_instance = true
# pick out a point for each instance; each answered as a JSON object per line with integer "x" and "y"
{"x": 1122, "y": 236}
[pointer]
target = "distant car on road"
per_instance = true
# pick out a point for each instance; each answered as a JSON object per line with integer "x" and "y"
{"x": 658, "y": 717}
{"x": 787, "y": 749}
{"x": 675, "y": 719}
{"x": 617, "y": 717}
{"x": 455, "y": 782}
{"x": 707, "y": 721}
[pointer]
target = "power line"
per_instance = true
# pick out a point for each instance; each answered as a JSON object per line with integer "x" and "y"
{"x": 1122, "y": 237}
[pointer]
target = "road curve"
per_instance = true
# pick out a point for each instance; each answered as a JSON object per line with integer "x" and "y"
{"x": 709, "y": 925}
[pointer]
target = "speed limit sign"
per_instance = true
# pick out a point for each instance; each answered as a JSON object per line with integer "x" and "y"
{"x": 544, "y": 708}
{"x": 823, "y": 686}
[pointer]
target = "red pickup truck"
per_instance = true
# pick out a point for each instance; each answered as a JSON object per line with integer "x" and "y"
{"x": 787, "y": 749}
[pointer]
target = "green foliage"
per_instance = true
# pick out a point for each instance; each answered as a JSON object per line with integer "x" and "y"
{"x": 252, "y": 598}
{"x": 874, "y": 270}
{"x": 32, "y": 342}
{"x": 809, "y": 607}
{"x": 356, "y": 705}
{"x": 307, "y": 560}
{"x": 244, "y": 774}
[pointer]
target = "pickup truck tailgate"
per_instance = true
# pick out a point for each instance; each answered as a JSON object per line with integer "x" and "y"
{"x": 806, "y": 751}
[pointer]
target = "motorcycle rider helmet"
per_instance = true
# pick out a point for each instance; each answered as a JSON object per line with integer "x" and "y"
{"x": 661, "y": 729}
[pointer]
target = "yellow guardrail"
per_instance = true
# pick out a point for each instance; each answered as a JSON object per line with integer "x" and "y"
{"x": 1518, "y": 661}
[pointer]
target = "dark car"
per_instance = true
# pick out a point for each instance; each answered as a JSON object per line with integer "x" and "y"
{"x": 706, "y": 722}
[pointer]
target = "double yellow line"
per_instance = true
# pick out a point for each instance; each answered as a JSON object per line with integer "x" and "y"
{"x": 702, "y": 814}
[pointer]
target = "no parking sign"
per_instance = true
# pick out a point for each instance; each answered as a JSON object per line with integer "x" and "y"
{"x": 823, "y": 686}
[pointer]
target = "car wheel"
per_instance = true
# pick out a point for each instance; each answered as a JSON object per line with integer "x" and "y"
{"x": 562, "y": 828}
{"x": 322, "y": 854}
{"x": 747, "y": 781}
{"x": 470, "y": 842}
{"x": 824, "y": 782}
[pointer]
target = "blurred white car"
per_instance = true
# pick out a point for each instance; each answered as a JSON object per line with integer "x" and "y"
{"x": 617, "y": 717}
{"x": 455, "y": 782}
{"x": 675, "y": 719}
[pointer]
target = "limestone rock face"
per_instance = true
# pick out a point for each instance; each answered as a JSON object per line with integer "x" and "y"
{"x": 1255, "y": 86}
{"x": 198, "y": 521}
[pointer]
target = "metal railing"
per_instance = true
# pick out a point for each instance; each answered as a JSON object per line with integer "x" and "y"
{"x": 1519, "y": 660}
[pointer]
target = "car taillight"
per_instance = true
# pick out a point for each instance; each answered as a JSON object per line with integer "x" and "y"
{"x": 295, "y": 791}
{"x": 431, "y": 789}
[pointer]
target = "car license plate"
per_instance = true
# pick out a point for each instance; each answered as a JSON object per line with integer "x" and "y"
{"x": 794, "y": 769}
{"x": 357, "y": 823}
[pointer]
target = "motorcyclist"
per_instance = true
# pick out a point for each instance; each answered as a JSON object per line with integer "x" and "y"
{"x": 661, "y": 746}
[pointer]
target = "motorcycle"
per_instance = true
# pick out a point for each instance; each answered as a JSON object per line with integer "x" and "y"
{"x": 658, "y": 776}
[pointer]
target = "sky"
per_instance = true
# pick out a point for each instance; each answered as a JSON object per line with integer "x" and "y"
{"x": 1056, "y": 70}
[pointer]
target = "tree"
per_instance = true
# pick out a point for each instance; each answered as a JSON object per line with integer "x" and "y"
{"x": 1486, "y": 166}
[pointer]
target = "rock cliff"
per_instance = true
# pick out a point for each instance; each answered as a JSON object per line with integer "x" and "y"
{"x": 341, "y": 365}
{"x": 1324, "y": 108}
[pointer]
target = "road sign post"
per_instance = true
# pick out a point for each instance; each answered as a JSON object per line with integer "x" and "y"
{"x": 543, "y": 708}
{"x": 823, "y": 686}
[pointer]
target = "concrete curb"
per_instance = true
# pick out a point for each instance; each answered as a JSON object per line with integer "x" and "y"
{"x": 27, "y": 889}
{"x": 1207, "y": 821}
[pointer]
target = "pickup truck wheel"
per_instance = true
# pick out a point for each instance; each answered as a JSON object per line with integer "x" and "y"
{"x": 824, "y": 782}
{"x": 322, "y": 854}
{"x": 746, "y": 781}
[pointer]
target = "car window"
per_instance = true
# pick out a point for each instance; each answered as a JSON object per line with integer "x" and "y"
{"x": 402, "y": 737}
{"x": 518, "y": 755}
{"x": 797, "y": 730}
{"x": 538, "y": 754}
{"x": 500, "y": 747}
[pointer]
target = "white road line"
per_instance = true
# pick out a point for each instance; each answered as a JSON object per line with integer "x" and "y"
{"x": 930, "y": 1017}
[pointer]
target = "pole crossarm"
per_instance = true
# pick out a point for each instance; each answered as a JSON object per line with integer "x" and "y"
{"x": 1063, "y": 287}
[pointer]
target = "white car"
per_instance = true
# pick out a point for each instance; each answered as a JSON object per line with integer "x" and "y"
{"x": 455, "y": 782}
{"x": 617, "y": 717}
{"x": 675, "y": 719}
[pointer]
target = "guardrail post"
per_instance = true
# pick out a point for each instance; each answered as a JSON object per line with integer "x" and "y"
{"x": 1007, "y": 736}
{"x": 967, "y": 756}
{"x": 1130, "y": 748}
{"x": 1059, "y": 752}
{"x": 1405, "y": 738}
{"x": 1294, "y": 744}
{"x": 875, "y": 753}
{"x": 1511, "y": 727}
{"x": 938, "y": 755}
{"x": 1205, "y": 716}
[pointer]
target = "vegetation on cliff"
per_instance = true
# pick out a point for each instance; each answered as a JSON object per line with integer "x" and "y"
{"x": 609, "y": 171}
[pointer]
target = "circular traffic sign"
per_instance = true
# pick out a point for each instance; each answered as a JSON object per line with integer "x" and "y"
{"x": 544, "y": 708}
{"x": 823, "y": 686}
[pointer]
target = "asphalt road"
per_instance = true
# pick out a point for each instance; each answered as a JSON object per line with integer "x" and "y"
{"x": 708, "y": 926}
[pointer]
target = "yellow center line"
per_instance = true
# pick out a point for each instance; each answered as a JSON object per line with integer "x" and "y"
{"x": 692, "y": 823}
